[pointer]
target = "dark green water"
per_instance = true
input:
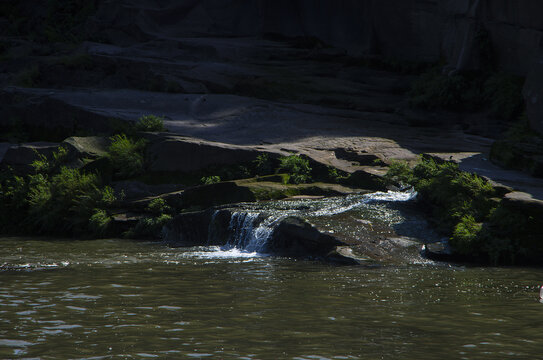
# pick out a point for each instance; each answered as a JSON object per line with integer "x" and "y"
{"x": 120, "y": 299}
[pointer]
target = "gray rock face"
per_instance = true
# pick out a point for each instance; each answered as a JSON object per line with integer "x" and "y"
{"x": 533, "y": 94}
{"x": 174, "y": 153}
{"x": 415, "y": 30}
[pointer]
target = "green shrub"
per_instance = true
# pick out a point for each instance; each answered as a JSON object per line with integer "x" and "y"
{"x": 399, "y": 172}
{"x": 465, "y": 237}
{"x": 499, "y": 92}
{"x": 208, "y": 180}
{"x": 47, "y": 166}
{"x": 150, "y": 123}
{"x": 503, "y": 93}
{"x": 126, "y": 156}
{"x": 149, "y": 227}
{"x": 263, "y": 165}
{"x": 297, "y": 167}
{"x": 434, "y": 90}
{"x": 158, "y": 206}
{"x": 59, "y": 203}
{"x": 99, "y": 223}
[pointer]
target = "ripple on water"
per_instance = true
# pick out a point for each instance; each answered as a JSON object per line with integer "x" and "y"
{"x": 15, "y": 343}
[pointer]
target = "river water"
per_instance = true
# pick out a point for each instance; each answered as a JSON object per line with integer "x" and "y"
{"x": 107, "y": 299}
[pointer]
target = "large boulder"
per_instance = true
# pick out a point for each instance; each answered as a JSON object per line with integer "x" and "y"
{"x": 169, "y": 153}
{"x": 297, "y": 238}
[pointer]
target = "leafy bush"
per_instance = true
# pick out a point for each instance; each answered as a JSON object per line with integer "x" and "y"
{"x": 263, "y": 165}
{"x": 62, "y": 203}
{"x": 44, "y": 165}
{"x": 158, "y": 206}
{"x": 150, "y": 123}
{"x": 499, "y": 92}
{"x": 503, "y": 93}
{"x": 399, "y": 172}
{"x": 465, "y": 236}
{"x": 208, "y": 180}
{"x": 126, "y": 156}
{"x": 148, "y": 227}
{"x": 99, "y": 223}
{"x": 435, "y": 90}
{"x": 297, "y": 167}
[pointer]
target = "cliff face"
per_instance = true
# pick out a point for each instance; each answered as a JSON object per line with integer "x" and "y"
{"x": 466, "y": 33}
{"x": 412, "y": 30}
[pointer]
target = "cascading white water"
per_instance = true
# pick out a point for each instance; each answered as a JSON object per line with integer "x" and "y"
{"x": 248, "y": 233}
{"x": 249, "y": 230}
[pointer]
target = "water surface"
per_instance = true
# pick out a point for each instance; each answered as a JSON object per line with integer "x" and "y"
{"x": 121, "y": 299}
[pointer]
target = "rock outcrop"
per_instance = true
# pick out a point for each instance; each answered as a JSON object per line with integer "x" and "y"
{"x": 170, "y": 153}
{"x": 411, "y": 30}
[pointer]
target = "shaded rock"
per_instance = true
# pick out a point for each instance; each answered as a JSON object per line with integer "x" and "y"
{"x": 297, "y": 238}
{"x": 205, "y": 196}
{"x": 133, "y": 190}
{"x": 263, "y": 190}
{"x": 525, "y": 155}
{"x": 19, "y": 157}
{"x": 3, "y": 149}
{"x": 181, "y": 154}
{"x": 123, "y": 222}
{"x": 524, "y": 203}
{"x": 42, "y": 116}
{"x": 198, "y": 229}
{"x": 361, "y": 157}
{"x": 533, "y": 94}
{"x": 439, "y": 251}
{"x": 365, "y": 180}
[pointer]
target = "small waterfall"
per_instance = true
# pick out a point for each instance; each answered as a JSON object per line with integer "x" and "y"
{"x": 250, "y": 231}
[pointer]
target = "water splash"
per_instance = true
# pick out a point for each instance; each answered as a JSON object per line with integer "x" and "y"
{"x": 250, "y": 231}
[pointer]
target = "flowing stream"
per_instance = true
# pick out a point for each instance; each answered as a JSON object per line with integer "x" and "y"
{"x": 108, "y": 299}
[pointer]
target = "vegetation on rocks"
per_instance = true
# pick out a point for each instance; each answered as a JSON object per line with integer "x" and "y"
{"x": 500, "y": 93}
{"x": 150, "y": 123}
{"x": 521, "y": 148}
{"x": 469, "y": 209}
{"x": 296, "y": 167}
{"x": 150, "y": 226}
{"x": 126, "y": 156}
{"x": 55, "y": 200}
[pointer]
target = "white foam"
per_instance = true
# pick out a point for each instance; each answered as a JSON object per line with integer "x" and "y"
{"x": 216, "y": 252}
